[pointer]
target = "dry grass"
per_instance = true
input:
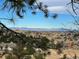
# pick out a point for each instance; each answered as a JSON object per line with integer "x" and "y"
{"x": 69, "y": 52}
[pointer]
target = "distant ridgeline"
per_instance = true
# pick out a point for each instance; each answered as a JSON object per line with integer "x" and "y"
{"x": 7, "y": 35}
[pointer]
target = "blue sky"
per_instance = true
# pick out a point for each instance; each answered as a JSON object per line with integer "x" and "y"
{"x": 64, "y": 20}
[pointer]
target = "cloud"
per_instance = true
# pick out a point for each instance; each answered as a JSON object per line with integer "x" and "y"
{"x": 59, "y": 6}
{"x": 55, "y": 2}
{"x": 57, "y": 9}
{"x": 56, "y": 6}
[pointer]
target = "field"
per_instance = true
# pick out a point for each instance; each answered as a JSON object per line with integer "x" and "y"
{"x": 70, "y": 39}
{"x": 66, "y": 44}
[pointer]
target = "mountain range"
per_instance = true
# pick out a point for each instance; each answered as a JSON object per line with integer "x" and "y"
{"x": 41, "y": 29}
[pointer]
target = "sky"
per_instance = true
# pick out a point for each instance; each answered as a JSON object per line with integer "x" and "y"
{"x": 64, "y": 19}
